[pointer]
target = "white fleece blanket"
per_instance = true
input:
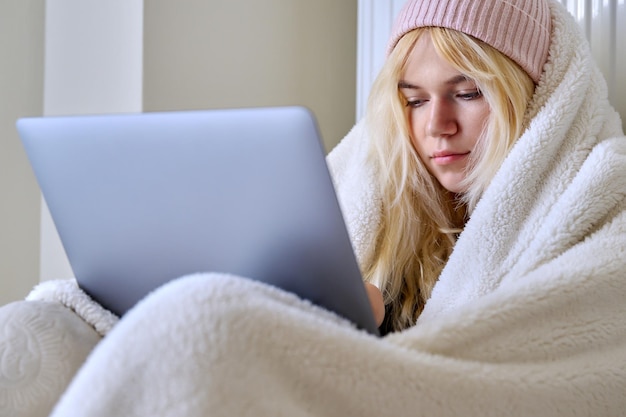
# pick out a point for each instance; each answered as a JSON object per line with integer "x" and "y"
{"x": 528, "y": 318}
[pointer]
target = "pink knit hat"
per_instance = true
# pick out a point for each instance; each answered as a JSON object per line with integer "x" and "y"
{"x": 520, "y": 29}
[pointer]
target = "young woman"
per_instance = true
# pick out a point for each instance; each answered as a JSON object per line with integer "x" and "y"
{"x": 485, "y": 195}
{"x": 443, "y": 115}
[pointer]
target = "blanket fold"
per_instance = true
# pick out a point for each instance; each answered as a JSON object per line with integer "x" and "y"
{"x": 528, "y": 317}
{"x": 68, "y": 293}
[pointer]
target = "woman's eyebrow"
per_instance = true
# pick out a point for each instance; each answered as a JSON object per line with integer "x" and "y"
{"x": 458, "y": 79}
{"x": 404, "y": 84}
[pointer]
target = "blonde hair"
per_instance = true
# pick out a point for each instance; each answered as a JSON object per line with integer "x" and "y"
{"x": 420, "y": 219}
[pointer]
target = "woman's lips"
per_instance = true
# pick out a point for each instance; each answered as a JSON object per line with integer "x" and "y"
{"x": 446, "y": 158}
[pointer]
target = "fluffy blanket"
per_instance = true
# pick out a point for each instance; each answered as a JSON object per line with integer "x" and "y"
{"x": 528, "y": 318}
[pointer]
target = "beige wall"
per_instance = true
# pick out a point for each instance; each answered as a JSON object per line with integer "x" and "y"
{"x": 21, "y": 84}
{"x": 237, "y": 53}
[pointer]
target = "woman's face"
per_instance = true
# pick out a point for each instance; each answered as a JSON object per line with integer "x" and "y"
{"x": 447, "y": 113}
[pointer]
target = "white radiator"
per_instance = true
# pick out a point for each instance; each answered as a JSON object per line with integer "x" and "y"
{"x": 603, "y": 21}
{"x": 604, "y": 24}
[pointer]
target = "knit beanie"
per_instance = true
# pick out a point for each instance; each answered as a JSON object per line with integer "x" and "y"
{"x": 520, "y": 29}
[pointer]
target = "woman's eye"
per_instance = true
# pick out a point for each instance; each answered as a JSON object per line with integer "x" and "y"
{"x": 472, "y": 95}
{"x": 414, "y": 102}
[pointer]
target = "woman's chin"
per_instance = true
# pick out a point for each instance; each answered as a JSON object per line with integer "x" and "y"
{"x": 453, "y": 184}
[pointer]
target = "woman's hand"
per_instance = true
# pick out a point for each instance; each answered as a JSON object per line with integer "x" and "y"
{"x": 376, "y": 301}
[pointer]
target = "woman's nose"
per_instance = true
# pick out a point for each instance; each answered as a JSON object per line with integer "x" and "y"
{"x": 442, "y": 119}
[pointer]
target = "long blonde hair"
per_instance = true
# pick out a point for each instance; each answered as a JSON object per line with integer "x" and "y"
{"x": 420, "y": 219}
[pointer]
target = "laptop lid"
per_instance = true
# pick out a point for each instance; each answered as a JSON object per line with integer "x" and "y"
{"x": 141, "y": 199}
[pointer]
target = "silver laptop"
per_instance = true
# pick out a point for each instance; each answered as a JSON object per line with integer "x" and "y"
{"x": 141, "y": 199}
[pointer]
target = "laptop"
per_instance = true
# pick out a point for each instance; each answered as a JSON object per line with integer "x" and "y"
{"x": 142, "y": 199}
